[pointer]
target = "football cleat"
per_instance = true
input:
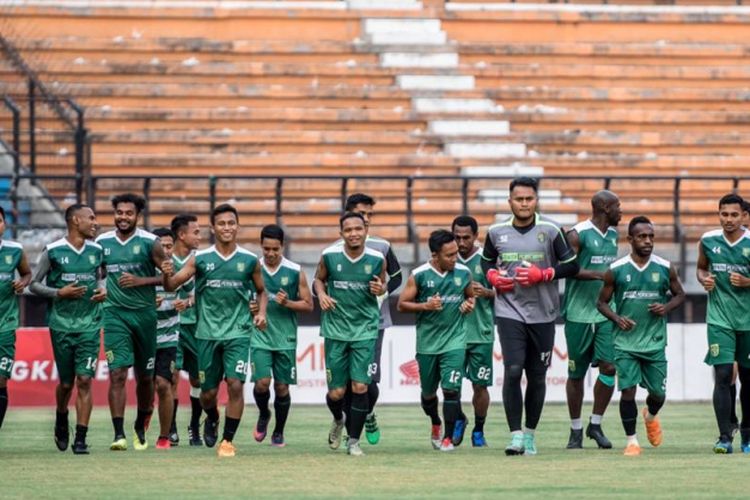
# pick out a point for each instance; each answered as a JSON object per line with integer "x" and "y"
{"x": 334, "y": 435}
{"x": 139, "y": 440}
{"x": 62, "y": 437}
{"x": 458, "y": 431}
{"x": 516, "y": 445}
{"x": 226, "y": 449}
{"x": 723, "y": 447}
{"x": 163, "y": 443}
{"x": 194, "y": 436}
{"x": 653, "y": 429}
{"x": 354, "y": 449}
{"x": 81, "y": 448}
{"x": 595, "y": 432}
{"x": 277, "y": 440}
{"x": 478, "y": 440}
{"x": 436, "y": 433}
{"x": 447, "y": 445}
{"x": 119, "y": 444}
{"x": 575, "y": 440}
{"x": 529, "y": 444}
{"x": 372, "y": 431}
{"x": 632, "y": 450}
{"x": 261, "y": 429}
{"x": 210, "y": 432}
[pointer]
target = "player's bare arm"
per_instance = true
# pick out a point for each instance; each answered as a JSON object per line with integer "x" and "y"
{"x": 304, "y": 303}
{"x": 678, "y": 295}
{"x": 407, "y": 299}
{"x": 602, "y": 304}
{"x": 705, "y": 278}
{"x": 173, "y": 281}
{"x": 24, "y": 278}
{"x": 467, "y": 306}
{"x": 260, "y": 319}
{"x": 319, "y": 285}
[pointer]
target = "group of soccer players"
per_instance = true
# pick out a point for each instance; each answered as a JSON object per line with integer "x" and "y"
{"x": 222, "y": 313}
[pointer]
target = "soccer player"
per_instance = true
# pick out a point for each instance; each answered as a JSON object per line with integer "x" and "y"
{"x": 364, "y": 205}
{"x": 68, "y": 273}
{"x": 638, "y": 285}
{"x": 187, "y": 240}
{"x": 12, "y": 259}
{"x": 441, "y": 293}
{"x": 274, "y": 350}
{"x": 531, "y": 251}
{"x": 226, "y": 277}
{"x": 480, "y": 335}
{"x": 723, "y": 268}
{"x": 348, "y": 281}
{"x": 588, "y": 333}
{"x": 131, "y": 257}
{"x": 167, "y": 337}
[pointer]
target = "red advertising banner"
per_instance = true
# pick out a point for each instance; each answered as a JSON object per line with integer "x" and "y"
{"x": 34, "y": 376}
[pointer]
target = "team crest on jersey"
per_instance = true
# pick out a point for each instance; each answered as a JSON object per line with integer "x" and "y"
{"x": 338, "y": 267}
{"x": 241, "y": 267}
{"x": 110, "y": 356}
{"x": 368, "y": 268}
{"x": 655, "y": 277}
{"x": 136, "y": 249}
{"x": 9, "y": 259}
{"x": 478, "y": 269}
{"x": 714, "y": 350}
{"x": 92, "y": 259}
{"x": 457, "y": 280}
{"x": 284, "y": 280}
{"x": 541, "y": 237}
{"x": 746, "y": 252}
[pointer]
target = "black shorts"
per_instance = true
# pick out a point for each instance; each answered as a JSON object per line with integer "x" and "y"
{"x": 527, "y": 345}
{"x": 166, "y": 359}
{"x": 375, "y": 365}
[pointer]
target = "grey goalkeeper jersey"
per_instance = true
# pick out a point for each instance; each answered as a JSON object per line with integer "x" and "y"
{"x": 542, "y": 244}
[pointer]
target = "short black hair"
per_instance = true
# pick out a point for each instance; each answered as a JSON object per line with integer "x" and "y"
{"x": 163, "y": 231}
{"x": 2, "y": 212}
{"x": 273, "y": 232}
{"x": 641, "y": 219}
{"x": 182, "y": 221}
{"x": 358, "y": 199}
{"x": 524, "y": 181}
{"x": 746, "y": 206}
{"x": 731, "y": 199}
{"x": 138, "y": 201}
{"x": 439, "y": 238}
{"x": 465, "y": 221}
{"x": 350, "y": 215}
{"x": 71, "y": 211}
{"x": 222, "y": 209}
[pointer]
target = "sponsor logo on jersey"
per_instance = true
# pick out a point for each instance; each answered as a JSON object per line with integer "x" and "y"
{"x": 641, "y": 294}
{"x": 603, "y": 259}
{"x": 136, "y": 249}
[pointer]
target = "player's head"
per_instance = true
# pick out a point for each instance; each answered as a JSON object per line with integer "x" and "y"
{"x": 127, "y": 208}
{"x": 166, "y": 238}
{"x": 186, "y": 230}
{"x": 745, "y": 213}
{"x": 730, "y": 212}
{"x": 2, "y": 221}
{"x": 362, "y": 204}
{"x": 272, "y": 244}
{"x": 81, "y": 219}
{"x": 523, "y": 198}
{"x": 641, "y": 235}
{"x": 444, "y": 249}
{"x": 606, "y": 203}
{"x": 465, "y": 231}
{"x": 225, "y": 222}
{"x": 353, "y": 230}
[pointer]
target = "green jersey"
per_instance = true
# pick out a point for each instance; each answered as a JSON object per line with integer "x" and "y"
{"x": 281, "y": 332}
{"x": 10, "y": 256}
{"x": 727, "y": 304}
{"x": 68, "y": 265}
{"x": 444, "y": 330}
{"x": 167, "y": 319}
{"x": 187, "y": 317}
{"x": 132, "y": 256}
{"x": 357, "y": 312}
{"x": 479, "y": 324}
{"x": 223, "y": 289}
{"x": 596, "y": 252}
{"x": 636, "y": 288}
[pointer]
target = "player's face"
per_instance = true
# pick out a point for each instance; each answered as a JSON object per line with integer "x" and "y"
{"x": 167, "y": 243}
{"x": 2, "y": 226}
{"x": 465, "y": 239}
{"x": 746, "y": 219}
{"x": 642, "y": 240}
{"x": 730, "y": 217}
{"x": 523, "y": 201}
{"x": 365, "y": 211}
{"x": 225, "y": 227}
{"x": 191, "y": 235}
{"x": 446, "y": 257}
{"x": 272, "y": 249}
{"x": 353, "y": 233}
{"x": 614, "y": 212}
{"x": 126, "y": 217}
{"x": 86, "y": 221}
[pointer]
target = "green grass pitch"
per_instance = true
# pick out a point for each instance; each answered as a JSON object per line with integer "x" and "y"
{"x": 402, "y": 465}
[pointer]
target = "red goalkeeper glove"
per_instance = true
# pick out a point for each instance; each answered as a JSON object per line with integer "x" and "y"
{"x": 502, "y": 284}
{"x": 531, "y": 275}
